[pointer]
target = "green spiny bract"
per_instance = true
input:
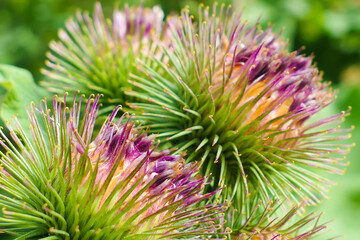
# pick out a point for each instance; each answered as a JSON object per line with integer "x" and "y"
{"x": 64, "y": 183}
{"x": 273, "y": 223}
{"x": 96, "y": 54}
{"x": 233, "y": 96}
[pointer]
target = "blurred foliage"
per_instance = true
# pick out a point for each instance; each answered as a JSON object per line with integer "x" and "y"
{"x": 27, "y": 26}
{"x": 328, "y": 28}
{"x": 13, "y": 96}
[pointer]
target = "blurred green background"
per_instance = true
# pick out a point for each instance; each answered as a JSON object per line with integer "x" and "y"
{"x": 328, "y": 28}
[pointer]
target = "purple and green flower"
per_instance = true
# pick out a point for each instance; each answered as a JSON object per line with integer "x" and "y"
{"x": 234, "y": 97}
{"x": 228, "y": 94}
{"x": 62, "y": 182}
{"x": 97, "y": 54}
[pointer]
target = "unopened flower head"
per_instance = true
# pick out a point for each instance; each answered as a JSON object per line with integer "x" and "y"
{"x": 235, "y": 97}
{"x": 64, "y": 183}
{"x": 96, "y": 54}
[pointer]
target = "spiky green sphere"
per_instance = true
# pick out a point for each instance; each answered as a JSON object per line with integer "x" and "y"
{"x": 97, "y": 54}
{"x": 233, "y": 96}
{"x": 63, "y": 182}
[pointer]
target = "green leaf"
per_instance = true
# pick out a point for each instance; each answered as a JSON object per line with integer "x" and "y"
{"x": 17, "y": 90}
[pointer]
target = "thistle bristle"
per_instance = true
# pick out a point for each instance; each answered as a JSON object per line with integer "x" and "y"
{"x": 267, "y": 224}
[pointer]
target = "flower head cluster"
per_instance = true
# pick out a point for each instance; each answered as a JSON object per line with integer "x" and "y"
{"x": 227, "y": 93}
{"x": 65, "y": 183}
{"x": 233, "y": 96}
{"x": 96, "y": 54}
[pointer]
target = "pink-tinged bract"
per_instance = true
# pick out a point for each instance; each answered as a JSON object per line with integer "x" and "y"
{"x": 65, "y": 182}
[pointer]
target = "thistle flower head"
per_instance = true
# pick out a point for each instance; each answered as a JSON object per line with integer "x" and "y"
{"x": 233, "y": 96}
{"x": 96, "y": 54}
{"x": 64, "y": 183}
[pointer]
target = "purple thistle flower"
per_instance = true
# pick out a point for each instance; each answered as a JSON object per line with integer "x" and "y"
{"x": 97, "y": 54}
{"x": 65, "y": 183}
{"x": 233, "y": 96}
